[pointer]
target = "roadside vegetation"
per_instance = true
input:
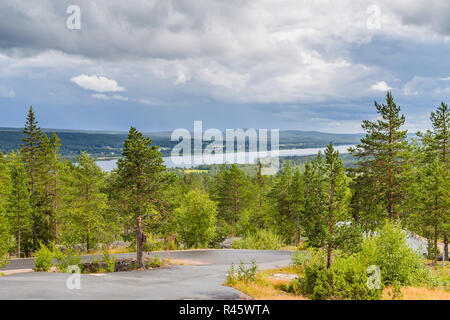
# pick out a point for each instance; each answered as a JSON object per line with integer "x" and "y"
{"x": 384, "y": 268}
{"x": 56, "y": 260}
{"x": 339, "y": 214}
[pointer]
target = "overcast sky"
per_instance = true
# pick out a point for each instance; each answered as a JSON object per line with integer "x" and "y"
{"x": 160, "y": 65}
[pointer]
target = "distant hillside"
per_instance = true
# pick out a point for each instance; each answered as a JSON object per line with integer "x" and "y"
{"x": 108, "y": 144}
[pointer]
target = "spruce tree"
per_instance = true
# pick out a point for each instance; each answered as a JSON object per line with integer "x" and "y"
{"x": 30, "y": 152}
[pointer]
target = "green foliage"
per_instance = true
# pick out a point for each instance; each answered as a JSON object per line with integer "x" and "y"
{"x": 141, "y": 185}
{"x": 243, "y": 273}
{"x": 66, "y": 258}
{"x": 19, "y": 207}
{"x": 4, "y": 240}
{"x": 345, "y": 279}
{"x": 86, "y": 219}
{"x": 231, "y": 190}
{"x": 109, "y": 260}
{"x": 196, "y": 219}
{"x": 154, "y": 262}
{"x": 287, "y": 199}
{"x": 382, "y": 157}
{"x": 44, "y": 259}
{"x": 259, "y": 240}
{"x": 398, "y": 262}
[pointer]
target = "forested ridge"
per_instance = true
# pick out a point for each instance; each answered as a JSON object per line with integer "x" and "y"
{"x": 106, "y": 145}
{"x": 46, "y": 199}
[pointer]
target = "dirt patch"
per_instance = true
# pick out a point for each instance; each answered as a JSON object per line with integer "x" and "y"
{"x": 185, "y": 262}
{"x": 17, "y": 271}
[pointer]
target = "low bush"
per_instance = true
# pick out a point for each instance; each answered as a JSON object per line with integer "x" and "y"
{"x": 345, "y": 279}
{"x": 397, "y": 261}
{"x": 260, "y": 240}
{"x": 66, "y": 258}
{"x": 110, "y": 261}
{"x": 242, "y": 273}
{"x": 44, "y": 259}
{"x": 154, "y": 262}
{"x": 349, "y": 275}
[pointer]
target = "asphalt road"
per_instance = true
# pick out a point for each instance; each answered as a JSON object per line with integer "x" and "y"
{"x": 202, "y": 280}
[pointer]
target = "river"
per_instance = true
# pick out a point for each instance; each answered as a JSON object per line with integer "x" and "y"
{"x": 235, "y": 157}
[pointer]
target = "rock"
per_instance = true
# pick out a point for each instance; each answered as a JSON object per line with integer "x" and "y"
{"x": 227, "y": 243}
{"x": 284, "y": 276}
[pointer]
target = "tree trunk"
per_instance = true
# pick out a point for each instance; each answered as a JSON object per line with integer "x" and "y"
{"x": 445, "y": 248}
{"x": 18, "y": 243}
{"x": 436, "y": 250}
{"x": 139, "y": 243}
{"x": 330, "y": 249}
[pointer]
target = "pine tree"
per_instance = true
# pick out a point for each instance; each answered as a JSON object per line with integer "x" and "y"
{"x": 327, "y": 197}
{"x": 19, "y": 208}
{"x": 337, "y": 198}
{"x": 142, "y": 178}
{"x": 436, "y": 144}
{"x": 232, "y": 192}
{"x": 381, "y": 156}
{"x": 315, "y": 201}
{"x": 55, "y": 183}
{"x": 4, "y": 238}
{"x": 85, "y": 217}
{"x": 43, "y": 197}
{"x": 287, "y": 200}
{"x": 5, "y": 181}
{"x": 434, "y": 199}
{"x": 30, "y": 152}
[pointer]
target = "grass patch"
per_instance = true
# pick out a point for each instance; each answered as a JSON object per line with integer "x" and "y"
{"x": 265, "y": 287}
{"x": 417, "y": 293}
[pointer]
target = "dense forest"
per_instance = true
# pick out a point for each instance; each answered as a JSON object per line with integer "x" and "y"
{"x": 46, "y": 199}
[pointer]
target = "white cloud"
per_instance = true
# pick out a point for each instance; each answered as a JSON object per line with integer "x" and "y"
{"x": 97, "y": 83}
{"x": 445, "y": 79}
{"x": 100, "y": 96}
{"x": 381, "y": 86}
{"x": 7, "y": 93}
{"x": 119, "y": 97}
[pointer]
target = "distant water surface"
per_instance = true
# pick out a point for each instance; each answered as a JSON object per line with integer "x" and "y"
{"x": 235, "y": 157}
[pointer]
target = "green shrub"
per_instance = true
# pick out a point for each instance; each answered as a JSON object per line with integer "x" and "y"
{"x": 196, "y": 219}
{"x": 109, "y": 260}
{"x": 397, "y": 261}
{"x": 44, "y": 259}
{"x": 154, "y": 262}
{"x": 345, "y": 279}
{"x": 299, "y": 258}
{"x": 67, "y": 258}
{"x": 153, "y": 244}
{"x": 242, "y": 274}
{"x": 260, "y": 240}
